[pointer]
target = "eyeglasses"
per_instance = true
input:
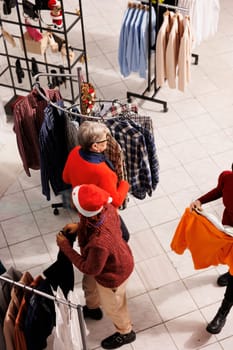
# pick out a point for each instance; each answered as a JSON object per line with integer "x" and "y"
{"x": 102, "y": 141}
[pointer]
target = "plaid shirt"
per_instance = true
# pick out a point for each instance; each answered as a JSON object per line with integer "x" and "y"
{"x": 115, "y": 154}
{"x": 116, "y": 110}
{"x": 150, "y": 147}
{"x": 133, "y": 144}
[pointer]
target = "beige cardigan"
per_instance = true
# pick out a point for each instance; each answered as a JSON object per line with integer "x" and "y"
{"x": 161, "y": 45}
{"x": 172, "y": 51}
{"x": 184, "y": 58}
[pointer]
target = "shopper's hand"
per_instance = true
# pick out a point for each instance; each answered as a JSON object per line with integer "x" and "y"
{"x": 60, "y": 238}
{"x": 71, "y": 228}
{"x": 195, "y": 205}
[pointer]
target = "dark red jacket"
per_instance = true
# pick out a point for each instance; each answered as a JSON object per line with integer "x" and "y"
{"x": 104, "y": 254}
{"x": 223, "y": 190}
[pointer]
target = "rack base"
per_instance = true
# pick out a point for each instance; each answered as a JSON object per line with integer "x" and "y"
{"x": 147, "y": 98}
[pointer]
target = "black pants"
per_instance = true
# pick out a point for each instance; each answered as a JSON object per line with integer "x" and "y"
{"x": 125, "y": 232}
{"x": 229, "y": 290}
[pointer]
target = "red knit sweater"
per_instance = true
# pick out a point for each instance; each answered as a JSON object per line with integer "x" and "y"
{"x": 78, "y": 171}
{"x": 224, "y": 189}
{"x": 104, "y": 254}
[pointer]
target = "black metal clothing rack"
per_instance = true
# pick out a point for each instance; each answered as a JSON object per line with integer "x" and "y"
{"x": 36, "y": 85}
{"x": 152, "y": 82}
{"x": 70, "y": 20}
{"x": 57, "y": 300}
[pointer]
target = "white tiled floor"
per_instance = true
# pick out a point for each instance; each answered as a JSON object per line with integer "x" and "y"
{"x": 170, "y": 302}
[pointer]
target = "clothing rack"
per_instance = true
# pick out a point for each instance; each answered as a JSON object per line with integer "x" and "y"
{"x": 152, "y": 82}
{"x": 57, "y": 300}
{"x": 68, "y": 110}
{"x": 149, "y": 81}
{"x": 36, "y": 85}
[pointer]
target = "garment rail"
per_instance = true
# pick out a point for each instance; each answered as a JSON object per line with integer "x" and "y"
{"x": 57, "y": 300}
{"x": 68, "y": 110}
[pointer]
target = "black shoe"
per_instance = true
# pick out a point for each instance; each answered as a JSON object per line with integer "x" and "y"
{"x": 19, "y": 71}
{"x": 216, "y": 325}
{"x": 117, "y": 339}
{"x": 95, "y": 314}
{"x": 35, "y": 69}
{"x": 222, "y": 280}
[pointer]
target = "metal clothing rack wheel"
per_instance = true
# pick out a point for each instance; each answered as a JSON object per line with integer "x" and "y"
{"x": 55, "y": 206}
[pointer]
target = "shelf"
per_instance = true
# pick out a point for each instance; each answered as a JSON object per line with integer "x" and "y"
{"x": 72, "y": 21}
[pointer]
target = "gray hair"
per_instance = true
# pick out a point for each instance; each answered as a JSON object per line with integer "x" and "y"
{"x": 91, "y": 132}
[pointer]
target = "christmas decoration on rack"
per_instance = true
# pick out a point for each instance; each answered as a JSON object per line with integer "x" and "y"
{"x": 56, "y": 13}
{"x": 88, "y": 97}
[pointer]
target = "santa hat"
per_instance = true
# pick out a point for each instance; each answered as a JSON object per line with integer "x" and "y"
{"x": 90, "y": 199}
{"x": 54, "y": 3}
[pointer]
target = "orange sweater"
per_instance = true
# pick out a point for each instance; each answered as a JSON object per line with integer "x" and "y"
{"x": 78, "y": 171}
{"x": 208, "y": 245}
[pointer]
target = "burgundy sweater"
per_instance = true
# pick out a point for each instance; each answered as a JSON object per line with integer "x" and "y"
{"x": 224, "y": 189}
{"x": 104, "y": 254}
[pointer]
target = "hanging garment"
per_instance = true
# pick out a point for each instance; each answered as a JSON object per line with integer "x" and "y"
{"x": 67, "y": 333}
{"x": 53, "y": 150}
{"x": 206, "y": 243}
{"x": 5, "y": 298}
{"x": 204, "y": 20}
{"x": 20, "y": 339}
{"x": 161, "y": 46}
{"x": 144, "y": 40}
{"x": 12, "y": 311}
{"x": 172, "y": 50}
{"x": 136, "y": 157}
{"x": 133, "y": 41}
{"x": 162, "y": 10}
{"x": 28, "y": 119}
{"x": 115, "y": 154}
{"x": 123, "y": 41}
{"x": 150, "y": 148}
{"x": 184, "y": 57}
{"x": 132, "y": 47}
{"x": 71, "y": 131}
{"x": 144, "y": 125}
{"x": 40, "y": 316}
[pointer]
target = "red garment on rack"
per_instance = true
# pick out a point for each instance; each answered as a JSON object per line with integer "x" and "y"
{"x": 208, "y": 245}
{"x": 28, "y": 118}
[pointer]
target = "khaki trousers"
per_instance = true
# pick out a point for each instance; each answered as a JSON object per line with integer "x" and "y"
{"x": 113, "y": 302}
